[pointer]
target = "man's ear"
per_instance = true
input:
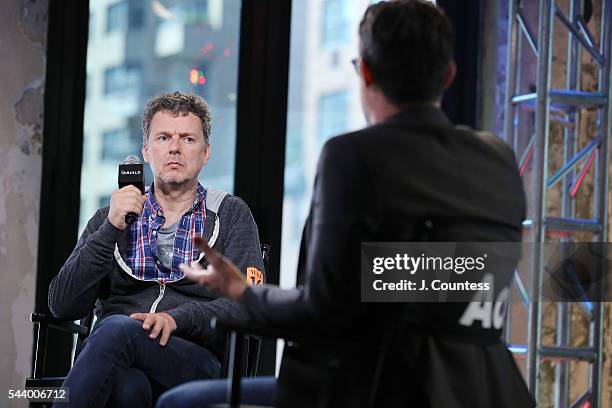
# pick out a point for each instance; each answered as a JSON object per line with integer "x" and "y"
{"x": 451, "y": 72}
{"x": 366, "y": 73}
{"x": 207, "y": 153}
{"x": 145, "y": 156}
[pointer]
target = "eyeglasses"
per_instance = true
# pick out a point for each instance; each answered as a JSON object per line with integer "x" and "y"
{"x": 355, "y": 62}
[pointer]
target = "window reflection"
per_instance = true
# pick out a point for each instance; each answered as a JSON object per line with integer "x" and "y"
{"x": 140, "y": 48}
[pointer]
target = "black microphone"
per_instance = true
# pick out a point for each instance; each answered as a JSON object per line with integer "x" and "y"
{"x": 131, "y": 172}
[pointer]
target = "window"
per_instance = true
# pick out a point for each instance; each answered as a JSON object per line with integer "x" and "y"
{"x": 118, "y": 144}
{"x": 336, "y": 23}
{"x": 125, "y": 78}
{"x": 135, "y": 14}
{"x": 314, "y": 113}
{"x": 116, "y": 16}
{"x": 332, "y": 115}
{"x": 199, "y": 55}
{"x": 125, "y": 15}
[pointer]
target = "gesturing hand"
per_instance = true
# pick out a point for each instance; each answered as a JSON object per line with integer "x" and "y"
{"x": 157, "y": 322}
{"x": 222, "y": 276}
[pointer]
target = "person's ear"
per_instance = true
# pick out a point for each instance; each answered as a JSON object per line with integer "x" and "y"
{"x": 451, "y": 72}
{"x": 145, "y": 156}
{"x": 366, "y": 73}
{"x": 207, "y": 153}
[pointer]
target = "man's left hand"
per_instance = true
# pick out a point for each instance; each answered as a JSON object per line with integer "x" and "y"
{"x": 158, "y": 323}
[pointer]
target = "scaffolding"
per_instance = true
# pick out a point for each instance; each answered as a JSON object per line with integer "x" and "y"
{"x": 531, "y": 142}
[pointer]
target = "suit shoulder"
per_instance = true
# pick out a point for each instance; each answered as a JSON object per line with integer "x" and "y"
{"x": 489, "y": 139}
{"x": 484, "y": 136}
{"x": 350, "y": 141}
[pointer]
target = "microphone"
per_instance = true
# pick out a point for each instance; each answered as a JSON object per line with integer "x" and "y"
{"x": 131, "y": 172}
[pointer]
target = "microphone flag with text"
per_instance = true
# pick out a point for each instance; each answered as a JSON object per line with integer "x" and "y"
{"x": 131, "y": 172}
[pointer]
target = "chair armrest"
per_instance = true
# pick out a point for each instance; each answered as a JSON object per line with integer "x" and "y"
{"x": 63, "y": 325}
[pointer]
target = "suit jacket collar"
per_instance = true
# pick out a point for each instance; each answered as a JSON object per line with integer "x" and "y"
{"x": 422, "y": 115}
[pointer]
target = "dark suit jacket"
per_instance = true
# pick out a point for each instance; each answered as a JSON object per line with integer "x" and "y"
{"x": 413, "y": 177}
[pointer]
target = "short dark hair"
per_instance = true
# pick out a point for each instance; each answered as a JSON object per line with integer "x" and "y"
{"x": 408, "y": 46}
{"x": 177, "y": 103}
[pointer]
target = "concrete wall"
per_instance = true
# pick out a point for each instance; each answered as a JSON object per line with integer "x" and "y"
{"x": 23, "y": 31}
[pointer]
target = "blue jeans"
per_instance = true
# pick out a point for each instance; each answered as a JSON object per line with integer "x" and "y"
{"x": 200, "y": 394}
{"x": 120, "y": 365}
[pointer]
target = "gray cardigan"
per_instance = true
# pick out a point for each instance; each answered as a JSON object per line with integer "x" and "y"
{"x": 96, "y": 276}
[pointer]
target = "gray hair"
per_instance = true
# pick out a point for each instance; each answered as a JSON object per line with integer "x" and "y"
{"x": 177, "y": 103}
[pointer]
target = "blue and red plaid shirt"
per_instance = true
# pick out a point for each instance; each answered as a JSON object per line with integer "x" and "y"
{"x": 140, "y": 255}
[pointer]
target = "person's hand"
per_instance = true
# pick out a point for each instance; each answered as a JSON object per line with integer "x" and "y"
{"x": 222, "y": 276}
{"x": 124, "y": 201}
{"x": 158, "y": 323}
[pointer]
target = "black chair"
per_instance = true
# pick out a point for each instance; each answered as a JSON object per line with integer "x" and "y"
{"x": 239, "y": 334}
{"x": 42, "y": 323}
{"x": 250, "y": 346}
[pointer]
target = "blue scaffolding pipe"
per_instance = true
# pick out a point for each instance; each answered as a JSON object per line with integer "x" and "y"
{"x": 570, "y": 164}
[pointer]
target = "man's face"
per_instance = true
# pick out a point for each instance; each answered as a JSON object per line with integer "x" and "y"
{"x": 175, "y": 148}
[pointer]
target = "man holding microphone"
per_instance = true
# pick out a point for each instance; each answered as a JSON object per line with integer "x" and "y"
{"x": 152, "y": 331}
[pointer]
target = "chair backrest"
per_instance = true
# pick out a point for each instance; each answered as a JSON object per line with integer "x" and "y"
{"x": 87, "y": 322}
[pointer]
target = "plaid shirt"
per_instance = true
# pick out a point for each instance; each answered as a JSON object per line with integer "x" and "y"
{"x": 143, "y": 237}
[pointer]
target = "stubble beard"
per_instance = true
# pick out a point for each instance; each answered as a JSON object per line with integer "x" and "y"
{"x": 173, "y": 182}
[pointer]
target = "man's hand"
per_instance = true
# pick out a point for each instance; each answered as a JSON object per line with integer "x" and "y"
{"x": 157, "y": 322}
{"x": 222, "y": 276}
{"x": 124, "y": 201}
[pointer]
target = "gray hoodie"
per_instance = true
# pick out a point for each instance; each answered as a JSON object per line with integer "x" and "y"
{"x": 96, "y": 276}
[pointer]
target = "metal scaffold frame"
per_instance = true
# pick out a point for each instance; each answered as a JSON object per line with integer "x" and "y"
{"x": 563, "y": 106}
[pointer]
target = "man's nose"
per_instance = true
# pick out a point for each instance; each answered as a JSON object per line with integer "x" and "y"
{"x": 175, "y": 145}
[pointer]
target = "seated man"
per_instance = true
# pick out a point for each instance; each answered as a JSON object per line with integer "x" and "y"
{"x": 152, "y": 331}
{"x": 410, "y": 176}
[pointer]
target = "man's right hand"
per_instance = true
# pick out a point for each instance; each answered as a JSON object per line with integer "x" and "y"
{"x": 124, "y": 201}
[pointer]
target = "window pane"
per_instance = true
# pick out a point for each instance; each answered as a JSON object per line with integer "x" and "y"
{"x": 323, "y": 102}
{"x": 332, "y": 114}
{"x": 335, "y": 23}
{"x": 117, "y": 144}
{"x": 123, "y": 79}
{"x": 136, "y": 14}
{"x": 146, "y": 48}
{"x": 116, "y": 16}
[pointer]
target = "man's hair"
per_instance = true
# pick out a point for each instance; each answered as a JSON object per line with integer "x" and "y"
{"x": 408, "y": 46}
{"x": 176, "y": 103}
